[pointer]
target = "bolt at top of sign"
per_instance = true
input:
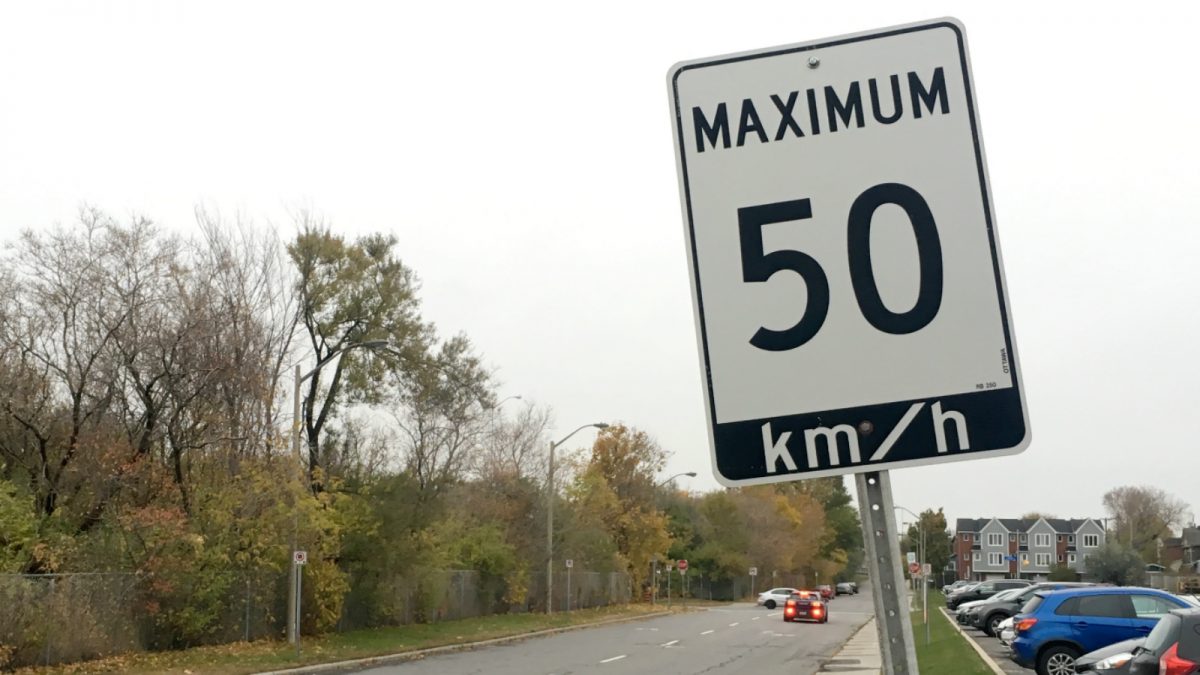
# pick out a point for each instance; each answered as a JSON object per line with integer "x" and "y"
{"x": 840, "y": 228}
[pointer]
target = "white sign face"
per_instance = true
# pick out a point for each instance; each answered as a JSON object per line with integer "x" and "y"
{"x": 753, "y": 571}
{"x": 300, "y": 557}
{"x": 849, "y": 297}
{"x": 912, "y": 557}
{"x": 570, "y": 563}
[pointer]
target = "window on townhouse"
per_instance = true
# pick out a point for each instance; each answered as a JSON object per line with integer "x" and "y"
{"x": 1091, "y": 540}
{"x": 1042, "y": 539}
{"x": 975, "y": 557}
{"x": 1070, "y": 539}
{"x": 1024, "y": 558}
{"x": 1012, "y": 537}
{"x": 967, "y": 536}
{"x": 995, "y": 539}
{"x": 1042, "y": 559}
{"x": 995, "y": 560}
{"x": 1060, "y": 557}
{"x": 1070, "y": 558}
{"x": 1024, "y": 538}
{"x": 1060, "y": 537}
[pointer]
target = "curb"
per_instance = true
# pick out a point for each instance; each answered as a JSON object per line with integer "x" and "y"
{"x": 836, "y": 662}
{"x": 401, "y": 657}
{"x": 991, "y": 663}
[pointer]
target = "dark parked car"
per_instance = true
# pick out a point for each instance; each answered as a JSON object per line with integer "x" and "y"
{"x": 1172, "y": 648}
{"x": 950, "y": 588}
{"x": 806, "y": 606}
{"x": 845, "y": 588}
{"x": 983, "y": 591}
{"x": 988, "y": 615}
{"x": 1056, "y": 627}
{"x": 1111, "y": 660}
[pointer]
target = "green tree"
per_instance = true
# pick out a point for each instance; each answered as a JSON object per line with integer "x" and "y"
{"x": 351, "y": 293}
{"x": 938, "y": 540}
{"x": 1062, "y": 572}
{"x": 1117, "y": 564}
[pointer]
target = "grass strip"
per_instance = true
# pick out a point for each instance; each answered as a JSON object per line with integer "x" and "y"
{"x": 262, "y": 655}
{"x": 947, "y": 651}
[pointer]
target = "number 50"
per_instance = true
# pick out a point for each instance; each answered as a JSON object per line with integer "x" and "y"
{"x": 758, "y": 266}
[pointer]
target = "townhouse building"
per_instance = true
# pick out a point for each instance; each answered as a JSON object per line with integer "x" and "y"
{"x": 996, "y": 548}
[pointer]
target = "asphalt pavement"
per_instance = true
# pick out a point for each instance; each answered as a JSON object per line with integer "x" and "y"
{"x": 737, "y": 638}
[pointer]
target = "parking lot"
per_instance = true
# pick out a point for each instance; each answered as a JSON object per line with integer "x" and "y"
{"x": 991, "y": 646}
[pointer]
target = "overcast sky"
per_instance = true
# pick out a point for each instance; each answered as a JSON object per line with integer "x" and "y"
{"x": 522, "y": 154}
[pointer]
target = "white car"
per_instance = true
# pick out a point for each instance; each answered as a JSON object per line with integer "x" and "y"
{"x": 1005, "y": 631}
{"x": 775, "y": 597}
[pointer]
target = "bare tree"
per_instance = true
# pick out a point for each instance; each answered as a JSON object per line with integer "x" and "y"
{"x": 514, "y": 448}
{"x": 1142, "y": 515}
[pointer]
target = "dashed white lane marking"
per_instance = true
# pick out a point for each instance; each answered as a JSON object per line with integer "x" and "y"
{"x": 668, "y": 644}
{"x": 707, "y": 632}
{"x": 734, "y": 624}
{"x": 756, "y": 618}
{"x": 615, "y": 658}
{"x": 775, "y": 614}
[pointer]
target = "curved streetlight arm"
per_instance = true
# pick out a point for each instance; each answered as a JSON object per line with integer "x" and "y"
{"x": 598, "y": 425}
{"x": 689, "y": 474}
{"x": 369, "y": 344}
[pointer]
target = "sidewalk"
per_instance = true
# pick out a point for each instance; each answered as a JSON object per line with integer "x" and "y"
{"x": 859, "y": 656}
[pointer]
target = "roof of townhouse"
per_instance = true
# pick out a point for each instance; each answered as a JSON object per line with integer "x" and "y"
{"x": 1063, "y": 525}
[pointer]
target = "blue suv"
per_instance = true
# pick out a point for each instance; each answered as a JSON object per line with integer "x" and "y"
{"x": 1055, "y": 627}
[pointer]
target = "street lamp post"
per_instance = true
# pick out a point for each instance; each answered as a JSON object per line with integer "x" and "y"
{"x": 293, "y": 627}
{"x": 924, "y": 581}
{"x": 550, "y": 515}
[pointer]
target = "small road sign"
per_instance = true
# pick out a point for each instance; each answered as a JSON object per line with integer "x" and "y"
{"x": 683, "y": 565}
{"x": 570, "y": 563}
{"x": 914, "y": 569}
{"x": 1010, "y": 558}
{"x": 753, "y": 571}
{"x": 926, "y": 569}
{"x": 850, "y": 303}
{"x": 300, "y": 557}
{"x": 912, "y": 557}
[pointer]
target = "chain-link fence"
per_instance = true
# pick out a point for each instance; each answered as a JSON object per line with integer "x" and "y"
{"x": 48, "y": 619}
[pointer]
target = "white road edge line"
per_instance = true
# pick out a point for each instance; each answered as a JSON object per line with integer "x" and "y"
{"x": 615, "y": 658}
{"x": 668, "y": 644}
{"x": 734, "y": 624}
{"x": 756, "y": 618}
{"x": 707, "y": 632}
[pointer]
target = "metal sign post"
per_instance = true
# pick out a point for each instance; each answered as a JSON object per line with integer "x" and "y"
{"x": 299, "y": 560}
{"x": 570, "y": 564}
{"x": 670, "y": 566}
{"x": 886, "y": 570}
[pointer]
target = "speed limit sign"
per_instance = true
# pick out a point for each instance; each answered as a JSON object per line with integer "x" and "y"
{"x": 849, "y": 298}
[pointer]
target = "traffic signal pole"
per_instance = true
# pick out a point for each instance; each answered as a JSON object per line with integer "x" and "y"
{"x": 892, "y": 621}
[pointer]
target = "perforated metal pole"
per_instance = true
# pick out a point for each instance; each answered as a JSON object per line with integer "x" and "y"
{"x": 896, "y": 644}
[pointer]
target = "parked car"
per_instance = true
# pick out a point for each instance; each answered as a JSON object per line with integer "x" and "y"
{"x": 806, "y": 606}
{"x": 983, "y": 591}
{"x": 959, "y": 583}
{"x": 826, "y": 591}
{"x": 775, "y": 597}
{"x": 1172, "y": 648}
{"x": 1005, "y": 632}
{"x": 987, "y": 615}
{"x": 845, "y": 588}
{"x": 1111, "y": 660}
{"x": 1057, "y": 627}
{"x": 966, "y": 613}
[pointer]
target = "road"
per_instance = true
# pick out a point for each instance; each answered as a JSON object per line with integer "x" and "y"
{"x": 738, "y": 638}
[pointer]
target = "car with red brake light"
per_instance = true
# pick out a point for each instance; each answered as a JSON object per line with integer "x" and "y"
{"x": 806, "y": 606}
{"x": 826, "y": 591}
